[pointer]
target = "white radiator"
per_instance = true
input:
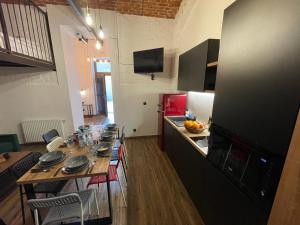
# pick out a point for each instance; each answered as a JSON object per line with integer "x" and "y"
{"x": 34, "y": 129}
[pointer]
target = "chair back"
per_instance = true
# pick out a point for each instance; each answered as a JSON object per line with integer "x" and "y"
{"x": 2, "y": 222}
{"x": 54, "y": 144}
{"x": 25, "y": 164}
{"x": 50, "y": 135}
{"x": 120, "y": 154}
{"x": 68, "y": 199}
{"x": 122, "y": 138}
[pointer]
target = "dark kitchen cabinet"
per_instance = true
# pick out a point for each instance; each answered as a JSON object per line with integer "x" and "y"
{"x": 218, "y": 201}
{"x": 257, "y": 91}
{"x": 197, "y": 67}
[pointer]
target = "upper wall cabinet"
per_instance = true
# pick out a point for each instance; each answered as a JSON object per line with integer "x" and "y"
{"x": 198, "y": 67}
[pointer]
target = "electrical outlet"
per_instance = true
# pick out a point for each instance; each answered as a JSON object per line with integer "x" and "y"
{"x": 144, "y": 103}
{"x": 134, "y": 130}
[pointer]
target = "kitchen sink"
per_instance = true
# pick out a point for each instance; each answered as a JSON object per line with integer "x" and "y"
{"x": 177, "y": 120}
{"x": 202, "y": 142}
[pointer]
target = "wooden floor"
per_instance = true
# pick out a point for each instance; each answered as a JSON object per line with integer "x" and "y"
{"x": 155, "y": 194}
{"x": 95, "y": 120}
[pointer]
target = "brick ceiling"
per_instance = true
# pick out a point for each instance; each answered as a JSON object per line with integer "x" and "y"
{"x": 154, "y": 8}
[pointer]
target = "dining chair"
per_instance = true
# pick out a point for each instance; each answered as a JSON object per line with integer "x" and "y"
{"x": 114, "y": 158}
{"x": 112, "y": 174}
{"x": 2, "y": 222}
{"x": 50, "y": 135}
{"x": 64, "y": 207}
{"x": 54, "y": 144}
{"x": 24, "y": 165}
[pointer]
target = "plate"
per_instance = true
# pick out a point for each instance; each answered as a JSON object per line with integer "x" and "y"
{"x": 76, "y": 162}
{"x": 111, "y": 126}
{"x": 104, "y": 146}
{"x": 107, "y": 136}
{"x": 45, "y": 165}
{"x": 71, "y": 171}
{"x": 51, "y": 157}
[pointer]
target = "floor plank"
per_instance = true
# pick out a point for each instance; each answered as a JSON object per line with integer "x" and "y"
{"x": 156, "y": 195}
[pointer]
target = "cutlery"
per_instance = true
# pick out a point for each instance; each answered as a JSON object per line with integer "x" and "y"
{"x": 92, "y": 167}
{"x": 56, "y": 172}
{"x": 87, "y": 171}
{"x": 38, "y": 170}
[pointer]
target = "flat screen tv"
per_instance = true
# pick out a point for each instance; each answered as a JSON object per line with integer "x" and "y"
{"x": 149, "y": 61}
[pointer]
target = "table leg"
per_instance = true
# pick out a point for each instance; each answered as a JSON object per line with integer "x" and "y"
{"x": 109, "y": 196}
{"x": 22, "y": 203}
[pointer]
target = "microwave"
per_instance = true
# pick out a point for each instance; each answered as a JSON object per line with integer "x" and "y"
{"x": 253, "y": 170}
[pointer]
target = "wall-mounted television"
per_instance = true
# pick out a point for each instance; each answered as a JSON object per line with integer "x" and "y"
{"x": 149, "y": 61}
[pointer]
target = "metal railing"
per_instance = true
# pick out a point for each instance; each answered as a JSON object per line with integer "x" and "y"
{"x": 24, "y": 31}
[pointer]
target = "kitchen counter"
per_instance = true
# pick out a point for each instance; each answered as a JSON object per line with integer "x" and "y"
{"x": 188, "y": 136}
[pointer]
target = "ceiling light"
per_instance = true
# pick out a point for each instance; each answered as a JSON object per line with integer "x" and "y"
{"x": 101, "y": 33}
{"x": 88, "y": 59}
{"x": 94, "y": 59}
{"x": 88, "y": 19}
{"x": 98, "y": 45}
{"x": 83, "y": 93}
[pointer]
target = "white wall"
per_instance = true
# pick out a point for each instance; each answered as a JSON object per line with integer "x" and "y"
{"x": 197, "y": 21}
{"x": 73, "y": 73}
{"x": 126, "y": 34}
{"x": 139, "y": 33}
{"x": 30, "y": 93}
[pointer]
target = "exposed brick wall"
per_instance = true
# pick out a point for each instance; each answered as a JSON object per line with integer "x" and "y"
{"x": 154, "y": 8}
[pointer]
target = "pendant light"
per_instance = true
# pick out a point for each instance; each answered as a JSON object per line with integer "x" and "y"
{"x": 101, "y": 33}
{"x": 88, "y": 18}
{"x": 98, "y": 45}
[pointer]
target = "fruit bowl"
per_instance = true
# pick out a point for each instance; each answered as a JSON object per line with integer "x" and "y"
{"x": 195, "y": 130}
{"x": 194, "y": 127}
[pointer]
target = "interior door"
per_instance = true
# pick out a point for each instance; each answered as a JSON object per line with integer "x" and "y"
{"x": 101, "y": 95}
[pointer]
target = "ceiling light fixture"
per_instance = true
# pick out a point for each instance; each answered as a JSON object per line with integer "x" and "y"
{"x": 88, "y": 18}
{"x": 98, "y": 45}
{"x": 101, "y": 33}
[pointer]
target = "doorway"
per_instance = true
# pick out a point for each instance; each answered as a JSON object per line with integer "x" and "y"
{"x": 103, "y": 86}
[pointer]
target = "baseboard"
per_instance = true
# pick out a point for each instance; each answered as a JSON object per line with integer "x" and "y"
{"x": 137, "y": 137}
{"x": 35, "y": 143}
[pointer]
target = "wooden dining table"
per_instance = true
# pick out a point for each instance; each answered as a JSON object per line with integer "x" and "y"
{"x": 98, "y": 166}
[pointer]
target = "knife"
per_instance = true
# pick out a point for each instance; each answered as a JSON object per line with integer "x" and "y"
{"x": 91, "y": 169}
{"x": 56, "y": 172}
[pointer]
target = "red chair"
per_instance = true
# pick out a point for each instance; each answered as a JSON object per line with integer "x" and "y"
{"x": 112, "y": 173}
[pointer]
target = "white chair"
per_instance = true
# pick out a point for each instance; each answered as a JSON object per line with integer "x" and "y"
{"x": 54, "y": 144}
{"x": 65, "y": 207}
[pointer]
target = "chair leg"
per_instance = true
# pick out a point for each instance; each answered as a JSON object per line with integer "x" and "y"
{"x": 124, "y": 170}
{"x": 122, "y": 191}
{"x": 36, "y": 217}
{"x": 125, "y": 160}
{"x": 22, "y": 203}
{"x": 125, "y": 155}
{"x": 96, "y": 200}
{"x": 76, "y": 184}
